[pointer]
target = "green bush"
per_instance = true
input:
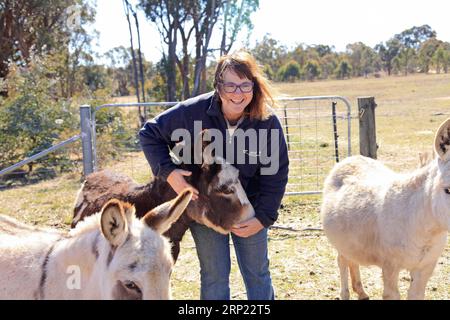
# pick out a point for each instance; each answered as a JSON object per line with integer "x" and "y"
{"x": 32, "y": 118}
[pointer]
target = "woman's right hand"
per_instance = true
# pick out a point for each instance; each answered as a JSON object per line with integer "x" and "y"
{"x": 178, "y": 183}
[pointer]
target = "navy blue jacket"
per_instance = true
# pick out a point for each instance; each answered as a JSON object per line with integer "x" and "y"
{"x": 265, "y": 192}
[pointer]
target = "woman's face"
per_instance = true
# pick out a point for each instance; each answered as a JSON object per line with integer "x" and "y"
{"x": 235, "y": 99}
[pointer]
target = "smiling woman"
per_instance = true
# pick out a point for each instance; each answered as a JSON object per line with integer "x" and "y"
{"x": 235, "y": 94}
{"x": 239, "y": 106}
{"x": 241, "y": 88}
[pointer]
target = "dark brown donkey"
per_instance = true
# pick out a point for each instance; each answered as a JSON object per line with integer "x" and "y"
{"x": 222, "y": 201}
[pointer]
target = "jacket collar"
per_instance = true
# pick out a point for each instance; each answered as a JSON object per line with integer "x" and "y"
{"x": 214, "y": 108}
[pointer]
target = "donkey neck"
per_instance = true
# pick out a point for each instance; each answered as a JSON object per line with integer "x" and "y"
{"x": 417, "y": 189}
{"x": 71, "y": 261}
{"x": 148, "y": 196}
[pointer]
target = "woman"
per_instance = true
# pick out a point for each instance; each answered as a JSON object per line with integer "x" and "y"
{"x": 241, "y": 100}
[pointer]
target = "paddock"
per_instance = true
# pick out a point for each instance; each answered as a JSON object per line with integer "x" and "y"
{"x": 303, "y": 263}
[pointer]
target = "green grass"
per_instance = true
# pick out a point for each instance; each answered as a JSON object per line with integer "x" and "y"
{"x": 302, "y": 261}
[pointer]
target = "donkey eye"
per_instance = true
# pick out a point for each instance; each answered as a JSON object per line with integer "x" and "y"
{"x": 447, "y": 190}
{"x": 225, "y": 190}
{"x": 130, "y": 285}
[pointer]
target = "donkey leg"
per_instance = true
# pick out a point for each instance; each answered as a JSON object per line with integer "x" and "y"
{"x": 175, "y": 250}
{"x": 343, "y": 271}
{"x": 390, "y": 282}
{"x": 356, "y": 281}
{"x": 419, "y": 280}
{"x": 176, "y": 233}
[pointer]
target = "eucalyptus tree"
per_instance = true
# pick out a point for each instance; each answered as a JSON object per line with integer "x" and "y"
{"x": 411, "y": 39}
{"x": 192, "y": 23}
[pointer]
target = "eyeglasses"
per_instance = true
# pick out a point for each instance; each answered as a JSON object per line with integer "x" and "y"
{"x": 230, "y": 87}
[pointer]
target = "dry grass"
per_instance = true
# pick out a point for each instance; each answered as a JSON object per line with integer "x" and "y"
{"x": 302, "y": 262}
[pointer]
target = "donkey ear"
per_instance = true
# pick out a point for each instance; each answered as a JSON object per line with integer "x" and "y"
{"x": 162, "y": 217}
{"x": 442, "y": 141}
{"x": 113, "y": 222}
{"x": 203, "y": 154}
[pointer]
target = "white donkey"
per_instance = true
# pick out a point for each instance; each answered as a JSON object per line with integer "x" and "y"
{"x": 110, "y": 255}
{"x": 374, "y": 216}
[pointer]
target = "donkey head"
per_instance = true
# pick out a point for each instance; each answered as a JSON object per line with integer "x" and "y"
{"x": 442, "y": 190}
{"x": 222, "y": 199}
{"x": 136, "y": 257}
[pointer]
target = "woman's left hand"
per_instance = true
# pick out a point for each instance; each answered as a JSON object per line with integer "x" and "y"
{"x": 247, "y": 228}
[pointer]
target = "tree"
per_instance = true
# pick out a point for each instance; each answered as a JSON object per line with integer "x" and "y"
{"x": 290, "y": 71}
{"x": 165, "y": 15}
{"x": 411, "y": 40}
{"x": 343, "y": 70}
{"x": 119, "y": 60}
{"x": 269, "y": 53}
{"x": 205, "y": 16}
{"x": 426, "y": 53}
{"x": 194, "y": 21}
{"x": 121, "y": 70}
{"x": 312, "y": 70}
{"x": 236, "y": 16}
{"x": 328, "y": 64}
{"x": 362, "y": 58}
{"x": 95, "y": 77}
{"x": 323, "y": 50}
{"x": 37, "y": 27}
{"x": 299, "y": 54}
{"x": 387, "y": 52}
{"x": 407, "y": 60}
{"x": 413, "y": 37}
{"x": 442, "y": 57}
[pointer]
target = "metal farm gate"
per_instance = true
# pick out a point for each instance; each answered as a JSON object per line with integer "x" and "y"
{"x": 317, "y": 131}
{"x": 318, "y": 134}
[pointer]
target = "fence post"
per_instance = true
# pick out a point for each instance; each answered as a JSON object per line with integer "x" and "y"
{"x": 86, "y": 139}
{"x": 335, "y": 132}
{"x": 367, "y": 133}
{"x": 287, "y": 128}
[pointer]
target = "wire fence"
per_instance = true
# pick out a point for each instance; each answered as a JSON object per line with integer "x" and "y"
{"x": 319, "y": 132}
{"x": 63, "y": 157}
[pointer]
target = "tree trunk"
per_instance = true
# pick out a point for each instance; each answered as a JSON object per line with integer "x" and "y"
{"x": 6, "y": 45}
{"x": 198, "y": 58}
{"x": 184, "y": 64}
{"x": 170, "y": 65}
{"x": 202, "y": 45}
{"x": 224, "y": 31}
{"x": 203, "y": 86}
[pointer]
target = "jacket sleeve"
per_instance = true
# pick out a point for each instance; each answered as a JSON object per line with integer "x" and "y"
{"x": 272, "y": 182}
{"x": 155, "y": 139}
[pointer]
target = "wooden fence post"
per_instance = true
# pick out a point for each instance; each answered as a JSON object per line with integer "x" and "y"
{"x": 367, "y": 133}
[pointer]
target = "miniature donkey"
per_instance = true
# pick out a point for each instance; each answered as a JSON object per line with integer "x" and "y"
{"x": 110, "y": 255}
{"x": 374, "y": 216}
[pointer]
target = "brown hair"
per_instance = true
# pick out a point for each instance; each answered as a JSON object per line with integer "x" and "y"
{"x": 244, "y": 65}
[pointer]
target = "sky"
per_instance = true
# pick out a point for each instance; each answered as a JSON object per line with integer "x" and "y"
{"x": 291, "y": 22}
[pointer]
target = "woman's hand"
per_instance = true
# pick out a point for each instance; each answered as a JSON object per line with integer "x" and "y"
{"x": 178, "y": 183}
{"x": 247, "y": 228}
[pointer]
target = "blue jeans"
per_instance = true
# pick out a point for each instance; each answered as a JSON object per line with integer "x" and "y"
{"x": 213, "y": 250}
